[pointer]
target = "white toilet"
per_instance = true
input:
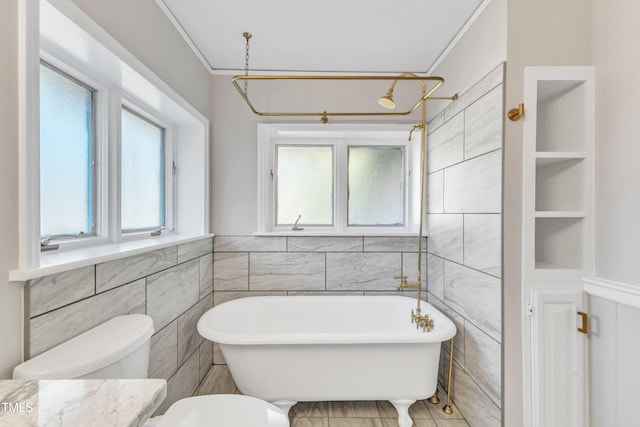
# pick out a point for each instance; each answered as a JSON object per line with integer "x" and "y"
{"x": 119, "y": 349}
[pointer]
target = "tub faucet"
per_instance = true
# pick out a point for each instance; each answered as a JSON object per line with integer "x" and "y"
{"x": 424, "y": 322}
{"x": 403, "y": 283}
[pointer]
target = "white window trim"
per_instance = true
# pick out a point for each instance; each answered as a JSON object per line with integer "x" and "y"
{"x": 60, "y": 27}
{"x": 272, "y": 134}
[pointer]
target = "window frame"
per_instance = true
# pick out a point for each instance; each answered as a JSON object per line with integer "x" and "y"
{"x": 108, "y": 102}
{"x": 68, "y": 33}
{"x": 56, "y": 60}
{"x": 340, "y": 136}
{"x": 73, "y": 75}
{"x": 169, "y": 205}
{"x": 333, "y": 186}
{"x": 405, "y": 182}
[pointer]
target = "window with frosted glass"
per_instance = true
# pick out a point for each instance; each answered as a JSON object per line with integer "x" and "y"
{"x": 142, "y": 173}
{"x": 304, "y": 185}
{"x": 66, "y": 155}
{"x": 375, "y": 186}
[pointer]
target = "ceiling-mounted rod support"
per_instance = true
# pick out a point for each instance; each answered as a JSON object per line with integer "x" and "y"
{"x": 247, "y": 36}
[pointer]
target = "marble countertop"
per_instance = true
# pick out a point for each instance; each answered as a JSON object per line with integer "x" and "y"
{"x": 52, "y": 403}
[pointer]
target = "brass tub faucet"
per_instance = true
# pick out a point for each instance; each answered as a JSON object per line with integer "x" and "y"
{"x": 404, "y": 284}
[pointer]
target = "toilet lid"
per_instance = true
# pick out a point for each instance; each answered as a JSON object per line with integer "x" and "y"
{"x": 223, "y": 410}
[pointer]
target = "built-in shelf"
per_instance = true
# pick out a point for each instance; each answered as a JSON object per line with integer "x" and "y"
{"x": 559, "y": 184}
{"x": 558, "y": 241}
{"x": 557, "y": 170}
{"x": 560, "y": 115}
{"x": 557, "y": 238}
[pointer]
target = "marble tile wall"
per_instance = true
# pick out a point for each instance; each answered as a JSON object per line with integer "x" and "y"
{"x": 173, "y": 285}
{"x": 311, "y": 264}
{"x": 252, "y": 265}
{"x": 464, "y": 183}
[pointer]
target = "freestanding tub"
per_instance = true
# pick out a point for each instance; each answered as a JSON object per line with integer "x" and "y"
{"x": 322, "y": 348}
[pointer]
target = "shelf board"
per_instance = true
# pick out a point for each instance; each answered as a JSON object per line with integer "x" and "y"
{"x": 545, "y": 265}
{"x": 561, "y": 154}
{"x": 544, "y": 158}
{"x": 560, "y": 214}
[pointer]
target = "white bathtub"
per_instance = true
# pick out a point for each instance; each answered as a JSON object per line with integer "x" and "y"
{"x": 322, "y": 348}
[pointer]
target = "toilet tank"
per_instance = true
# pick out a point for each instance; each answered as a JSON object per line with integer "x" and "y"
{"x": 115, "y": 349}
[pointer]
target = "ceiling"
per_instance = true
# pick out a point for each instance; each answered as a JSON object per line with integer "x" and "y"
{"x": 341, "y": 36}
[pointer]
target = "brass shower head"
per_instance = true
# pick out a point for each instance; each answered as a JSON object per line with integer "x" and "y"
{"x": 387, "y": 100}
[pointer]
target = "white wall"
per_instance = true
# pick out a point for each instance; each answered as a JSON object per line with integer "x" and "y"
{"x": 614, "y": 346}
{"x": 617, "y": 198}
{"x": 142, "y": 28}
{"x": 613, "y": 369}
{"x": 10, "y": 293}
{"x": 544, "y": 32}
{"x": 482, "y": 48}
{"x": 233, "y": 139}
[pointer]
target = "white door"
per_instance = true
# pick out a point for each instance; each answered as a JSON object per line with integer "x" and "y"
{"x": 558, "y": 359}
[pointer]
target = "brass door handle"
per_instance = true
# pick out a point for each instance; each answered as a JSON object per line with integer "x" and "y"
{"x": 585, "y": 322}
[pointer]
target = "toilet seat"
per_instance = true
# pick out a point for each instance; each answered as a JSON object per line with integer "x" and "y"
{"x": 224, "y": 410}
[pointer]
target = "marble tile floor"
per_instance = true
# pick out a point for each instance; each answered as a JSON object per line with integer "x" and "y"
{"x": 343, "y": 414}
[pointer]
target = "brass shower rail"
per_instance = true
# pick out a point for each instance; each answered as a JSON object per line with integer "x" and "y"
{"x": 423, "y": 79}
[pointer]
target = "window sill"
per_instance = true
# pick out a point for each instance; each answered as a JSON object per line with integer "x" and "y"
{"x": 360, "y": 233}
{"x": 58, "y": 262}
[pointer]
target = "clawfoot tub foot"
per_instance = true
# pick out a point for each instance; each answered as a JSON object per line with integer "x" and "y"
{"x": 284, "y": 405}
{"x": 402, "y": 406}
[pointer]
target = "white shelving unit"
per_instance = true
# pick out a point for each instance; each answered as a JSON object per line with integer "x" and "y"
{"x": 557, "y": 239}
{"x": 558, "y": 172}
